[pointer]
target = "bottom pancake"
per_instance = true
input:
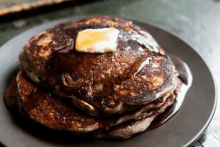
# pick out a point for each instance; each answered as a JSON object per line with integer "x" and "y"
{"x": 51, "y": 111}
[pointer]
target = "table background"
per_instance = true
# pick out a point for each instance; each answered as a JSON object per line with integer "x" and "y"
{"x": 197, "y": 22}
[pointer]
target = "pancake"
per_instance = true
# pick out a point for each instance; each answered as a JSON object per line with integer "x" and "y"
{"x": 10, "y": 96}
{"x": 137, "y": 73}
{"x": 140, "y": 124}
{"x": 54, "y": 112}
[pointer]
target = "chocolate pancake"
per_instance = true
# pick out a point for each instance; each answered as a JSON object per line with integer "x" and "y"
{"x": 137, "y": 73}
{"x": 54, "y": 112}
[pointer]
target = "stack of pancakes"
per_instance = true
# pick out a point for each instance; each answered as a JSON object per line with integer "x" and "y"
{"x": 112, "y": 94}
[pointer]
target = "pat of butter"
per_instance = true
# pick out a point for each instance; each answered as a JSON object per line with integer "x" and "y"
{"x": 97, "y": 40}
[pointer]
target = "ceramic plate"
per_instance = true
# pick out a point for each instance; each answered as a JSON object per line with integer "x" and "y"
{"x": 181, "y": 130}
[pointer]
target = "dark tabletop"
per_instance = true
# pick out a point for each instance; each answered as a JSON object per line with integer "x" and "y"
{"x": 197, "y": 22}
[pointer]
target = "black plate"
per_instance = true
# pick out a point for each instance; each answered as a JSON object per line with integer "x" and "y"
{"x": 185, "y": 127}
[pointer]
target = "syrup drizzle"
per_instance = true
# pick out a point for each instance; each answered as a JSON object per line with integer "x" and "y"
{"x": 148, "y": 41}
{"x": 186, "y": 77}
{"x": 142, "y": 66}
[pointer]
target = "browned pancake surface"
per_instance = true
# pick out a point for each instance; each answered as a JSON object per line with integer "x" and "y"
{"x": 100, "y": 83}
{"x": 57, "y": 113}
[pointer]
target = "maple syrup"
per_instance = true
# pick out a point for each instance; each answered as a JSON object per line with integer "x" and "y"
{"x": 186, "y": 77}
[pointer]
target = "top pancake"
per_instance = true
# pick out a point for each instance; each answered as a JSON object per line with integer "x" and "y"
{"x": 137, "y": 73}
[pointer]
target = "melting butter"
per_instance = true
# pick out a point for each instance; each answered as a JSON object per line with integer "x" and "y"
{"x": 97, "y": 40}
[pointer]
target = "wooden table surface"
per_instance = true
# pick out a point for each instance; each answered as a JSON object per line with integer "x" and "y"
{"x": 197, "y": 22}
